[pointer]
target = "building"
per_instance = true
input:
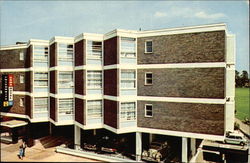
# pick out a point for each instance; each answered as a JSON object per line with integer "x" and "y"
{"x": 177, "y": 82}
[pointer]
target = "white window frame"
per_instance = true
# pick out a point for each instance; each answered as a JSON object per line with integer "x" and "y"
{"x": 59, "y": 79}
{"x": 91, "y": 56}
{"x": 145, "y": 81}
{"x": 145, "y": 109}
{"x": 125, "y": 51}
{"x": 61, "y": 50}
{"x": 21, "y": 77}
{"x": 44, "y": 79}
{"x": 65, "y": 113}
{"x": 91, "y": 87}
{"x": 121, "y": 79}
{"x": 39, "y": 54}
{"x": 101, "y": 112}
{"x": 21, "y": 56}
{"x": 35, "y": 98}
{"x": 125, "y": 119}
{"x": 21, "y": 102}
{"x": 146, "y": 51}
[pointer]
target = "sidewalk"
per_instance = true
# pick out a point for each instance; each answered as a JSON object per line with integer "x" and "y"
{"x": 243, "y": 127}
{"x": 37, "y": 153}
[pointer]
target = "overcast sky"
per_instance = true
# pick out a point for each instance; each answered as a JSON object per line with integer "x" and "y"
{"x": 21, "y": 21}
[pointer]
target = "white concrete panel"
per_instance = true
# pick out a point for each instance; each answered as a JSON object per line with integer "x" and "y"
{"x": 229, "y": 116}
{"x": 231, "y": 49}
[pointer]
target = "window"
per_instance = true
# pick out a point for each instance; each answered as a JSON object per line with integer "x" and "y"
{"x": 40, "y": 54}
{"x": 148, "y": 78}
{"x": 94, "y": 108}
{"x": 21, "y": 56}
{"x": 66, "y": 106}
{"x": 128, "y": 47}
{"x": 40, "y": 104}
{"x": 94, "y": 49}
{"x": 21, "y": 78}
{"x": 128, "y": 111}
{"x": 65, "y": 53}
{"x": 40, "y": 79}
{"x": 148, "y": 110}
{"x": 128, "y": 79}
{"x": 66, "y": 79}
{"x": 21, "y": 102}
{"x": 94, "y": 79}
{"x": 148, "y": 46}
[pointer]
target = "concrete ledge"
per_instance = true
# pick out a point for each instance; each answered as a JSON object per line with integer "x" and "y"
{"x": 91, "y": 155}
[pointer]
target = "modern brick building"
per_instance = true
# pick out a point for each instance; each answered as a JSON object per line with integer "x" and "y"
{"x": 177, "y": 82}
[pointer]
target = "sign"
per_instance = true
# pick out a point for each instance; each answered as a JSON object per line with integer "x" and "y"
{"x": 7, "y": 85}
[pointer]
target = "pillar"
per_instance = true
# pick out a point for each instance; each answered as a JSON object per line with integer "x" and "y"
{"x": 193, "y": 146}
{"x": 150, "y": 138}
{"x": 77, "y": 139}
{"x": 50, "y": 128}
{"x": 94, "y": 132}
{"x": 184, "y": 151}
{"x": 138, "y": 146}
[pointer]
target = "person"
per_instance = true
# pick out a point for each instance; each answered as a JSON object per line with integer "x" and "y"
{"x": 22, "y": 150}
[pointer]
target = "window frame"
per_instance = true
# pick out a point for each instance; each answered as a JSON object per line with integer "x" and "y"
{"x": 43, "y": 111}
{"x": 41, "y": 79}
{"x": 21, "y": 79}
{"x": 65, "y": 113}
{"x": 21, "y": 56}
{"x": 128, "y": 79}
{"x": 94, "y": 79}
{"x": 21, "y": 102}
{"x": 145, "y": 78}
{"x": 126, "y": 39}
{"x": 145, "y": 110}
{"x": 61, "y": 80}
{"x": 101, "y": 110}
{"x": 145, "y": 49}
{"x": 135, "y": 112}
{"x": 90, "y": 49}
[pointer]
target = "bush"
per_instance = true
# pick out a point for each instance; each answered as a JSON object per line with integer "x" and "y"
{"x": 236, "y": 126}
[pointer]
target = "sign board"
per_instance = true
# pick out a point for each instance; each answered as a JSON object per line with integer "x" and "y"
{"x": 7, "y": 89}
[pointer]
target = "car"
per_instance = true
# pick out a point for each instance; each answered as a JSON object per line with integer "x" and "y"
{"x": 156, "y": 152}
{"x": 235, "y": 138}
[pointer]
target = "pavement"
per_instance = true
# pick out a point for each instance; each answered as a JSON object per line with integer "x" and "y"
{"x": 37, "y": 153}
{"x": 243, "y": 127}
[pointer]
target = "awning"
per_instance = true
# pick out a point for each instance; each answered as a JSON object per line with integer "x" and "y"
{"x": 13, "y": 123}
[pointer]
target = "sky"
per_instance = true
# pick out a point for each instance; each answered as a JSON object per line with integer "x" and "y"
{"x": 23, "y": 20}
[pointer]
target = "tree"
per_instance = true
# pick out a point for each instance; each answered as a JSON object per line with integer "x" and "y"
{"x": 244, "y": 78}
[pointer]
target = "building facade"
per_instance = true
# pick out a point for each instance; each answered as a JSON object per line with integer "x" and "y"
{"x": 177, "y": 82}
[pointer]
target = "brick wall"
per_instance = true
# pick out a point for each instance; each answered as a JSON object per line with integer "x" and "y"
{"x": 80, "y": 111}
{"x": 53, "y": 80}
{"x": 183, "y": 82}
{"x": 52, "y": 55}
{"x": 80, "y": 82}
{"x": 183, "y": 48}
{"x": 110, "y": 113}
{"x": 111, "y": 82}
{"x": 111, "y": 51}
{"x": 11, "y": 59}
{"x": 79, "y": 53}
{"x": 53, "y": 104}
{"x": 187, "y": 117}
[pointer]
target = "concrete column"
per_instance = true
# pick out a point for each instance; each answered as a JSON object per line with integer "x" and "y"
{"x": 138, "y": 146}
{"x": 94, "y": 132}
{"x": 150, "y": 138}
{"x": 184, "y": 151}
{"x": 77, "y": 139}
{"x": 193, "y": 146}
{"x": 50, "y": 128}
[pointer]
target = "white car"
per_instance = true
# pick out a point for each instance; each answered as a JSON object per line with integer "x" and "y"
{"x": 235, "y": 138}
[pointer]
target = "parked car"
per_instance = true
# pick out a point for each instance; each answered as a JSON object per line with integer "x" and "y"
{"x": 103, "y": 144}
{"x": 156, "y": 152}
{"x": 235, "y": 138}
